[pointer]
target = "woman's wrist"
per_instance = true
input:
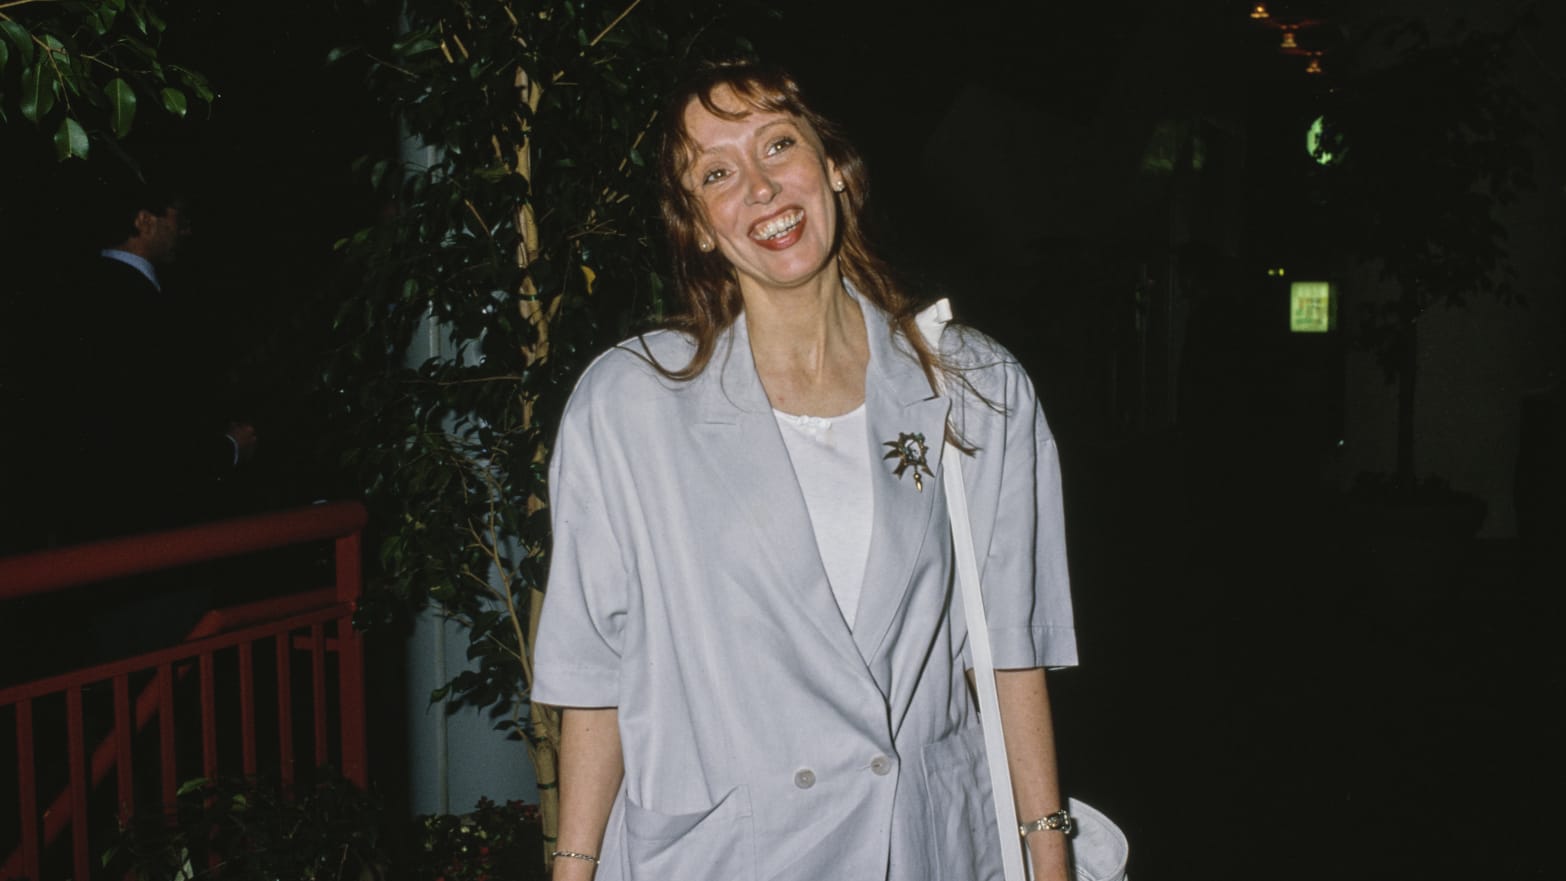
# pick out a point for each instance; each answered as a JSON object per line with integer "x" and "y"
{"x": 1059, "y": 821}
{"x": 572, "y": 865}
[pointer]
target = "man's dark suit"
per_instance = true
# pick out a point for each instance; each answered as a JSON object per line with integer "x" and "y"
{"x": 141, "y": 435}
{"x": 117, "y": 395}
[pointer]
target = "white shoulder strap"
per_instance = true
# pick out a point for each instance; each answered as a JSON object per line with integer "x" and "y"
{"x": 931, "y": 322}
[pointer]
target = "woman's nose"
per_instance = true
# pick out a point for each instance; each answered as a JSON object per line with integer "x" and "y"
{"x": 761, "y": 188}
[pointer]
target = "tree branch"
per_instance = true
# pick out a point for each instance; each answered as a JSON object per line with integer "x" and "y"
{"x": 447, "y": 383}
{"x": 601, "y": 34}
{"x": 483, "y": 224}
{"x": 11, "y": 4}
{"x": 613, "y": 24}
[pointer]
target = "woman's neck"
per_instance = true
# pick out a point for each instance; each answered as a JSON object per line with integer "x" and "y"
{"x": 810, "y": 347}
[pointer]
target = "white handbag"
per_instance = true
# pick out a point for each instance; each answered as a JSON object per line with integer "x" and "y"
{"x": 1099, "y": 848}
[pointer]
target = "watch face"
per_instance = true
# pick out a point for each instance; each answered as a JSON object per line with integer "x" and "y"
{"x": 1060, "y": 821}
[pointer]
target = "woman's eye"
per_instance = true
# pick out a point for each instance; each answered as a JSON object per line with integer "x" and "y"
{"x": 714, "y": 176}
{"x": 779, "y": 145}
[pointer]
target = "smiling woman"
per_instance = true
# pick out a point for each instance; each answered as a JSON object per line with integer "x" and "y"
{"x": 748, "y": 617}
{"x": 761, "y": 179}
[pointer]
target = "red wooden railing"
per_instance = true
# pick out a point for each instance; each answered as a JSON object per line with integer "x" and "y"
{"x": 314, "y": 622}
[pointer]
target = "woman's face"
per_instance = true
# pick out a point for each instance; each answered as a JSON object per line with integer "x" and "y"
{"x": 765, "y": 191}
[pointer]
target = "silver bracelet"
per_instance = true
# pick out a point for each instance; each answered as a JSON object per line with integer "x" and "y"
{"x": 1060, "y": 821}
{"x": 573, "y": 855}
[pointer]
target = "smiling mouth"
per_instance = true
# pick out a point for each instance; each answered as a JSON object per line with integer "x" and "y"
{"x": 777, "y": 227}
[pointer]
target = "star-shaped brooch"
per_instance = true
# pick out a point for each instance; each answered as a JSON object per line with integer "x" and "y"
{"x": 909, "y": 450}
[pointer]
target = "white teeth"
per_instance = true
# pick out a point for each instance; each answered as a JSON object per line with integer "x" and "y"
{"x": 779, "y": 225}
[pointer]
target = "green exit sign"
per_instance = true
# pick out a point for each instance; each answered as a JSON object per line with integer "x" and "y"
{"x": 1313, "y": 308}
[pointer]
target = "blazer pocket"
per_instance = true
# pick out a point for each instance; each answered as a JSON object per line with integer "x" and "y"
{"x": 711, "y": 845}
{"x": 962, "y": 821}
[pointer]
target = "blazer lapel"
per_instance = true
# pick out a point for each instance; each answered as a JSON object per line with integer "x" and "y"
{"x": 739, "y": 438}
{"x": 898, "y": 401}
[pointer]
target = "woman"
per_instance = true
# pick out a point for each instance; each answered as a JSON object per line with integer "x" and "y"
{"x": 751, "y": 618}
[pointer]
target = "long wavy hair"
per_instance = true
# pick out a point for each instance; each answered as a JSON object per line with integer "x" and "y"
{"x": 705, "y": 280}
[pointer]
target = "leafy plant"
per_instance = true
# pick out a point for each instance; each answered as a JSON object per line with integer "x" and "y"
{"x": 496, "y": 842}
{"x": 1431, "y": 138}
{"x": 259, "y": 830}
{"x": 519, "y": 239}
{"x": 256, "y": 831}
{"x": 80, "y": 69}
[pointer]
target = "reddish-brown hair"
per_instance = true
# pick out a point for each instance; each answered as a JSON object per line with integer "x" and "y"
{"x": 706, "y": 283}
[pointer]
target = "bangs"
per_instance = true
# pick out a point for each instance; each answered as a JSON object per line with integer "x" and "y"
{"x": 766, "y": 97}
{"x": 757, "y": 90}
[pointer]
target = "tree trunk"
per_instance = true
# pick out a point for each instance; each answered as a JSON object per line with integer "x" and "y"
{"x": 544, "y": 731}
{"x": 544, "y": 745}
{"x": 1408, "y": 368}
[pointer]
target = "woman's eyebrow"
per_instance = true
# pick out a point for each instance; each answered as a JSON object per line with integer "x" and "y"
{"x": 786, "y": 121}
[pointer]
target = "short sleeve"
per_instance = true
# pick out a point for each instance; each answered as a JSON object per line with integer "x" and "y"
{"x": 581, "y": 632}
{"x": 1052, "y": 634}
{"x": 1015, "y": 496}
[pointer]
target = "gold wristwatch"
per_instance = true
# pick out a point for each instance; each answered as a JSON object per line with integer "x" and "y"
{"x": 1060, "y": 821}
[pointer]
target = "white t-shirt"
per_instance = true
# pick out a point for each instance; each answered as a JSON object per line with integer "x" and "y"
{"x": 831, "y": 458}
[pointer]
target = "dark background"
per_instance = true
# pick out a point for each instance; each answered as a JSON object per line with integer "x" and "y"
{"x": 1265, "y": 691}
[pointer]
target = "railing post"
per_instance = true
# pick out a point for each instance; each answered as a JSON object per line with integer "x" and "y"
{"x": 27, "y": 792}
{"x": 350, "y": 660}
{"x": 76, "y": 761}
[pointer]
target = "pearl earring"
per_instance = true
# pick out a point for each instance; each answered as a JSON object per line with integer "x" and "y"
{"x": 838, "y": 185}
{"x": 705, "y": 245}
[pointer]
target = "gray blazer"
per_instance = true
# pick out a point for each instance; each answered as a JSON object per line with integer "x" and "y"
{"x": 763, "y": 739}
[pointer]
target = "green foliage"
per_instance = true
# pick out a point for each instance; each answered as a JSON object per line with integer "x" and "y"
{"x": 77, "y": 69}
{"x": 1434, "y": 138}
{"x": 494, "y": 842}
{"x": 519, "y": 239}
{"x": 256, "y": 831}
